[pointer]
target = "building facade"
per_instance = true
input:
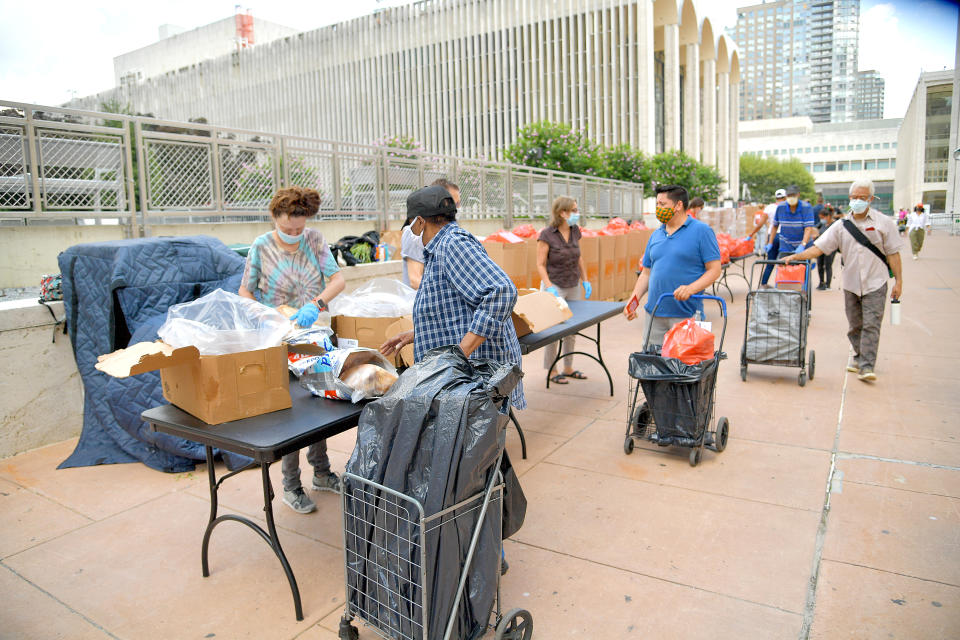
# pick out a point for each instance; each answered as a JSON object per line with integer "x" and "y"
{"x": 835, "y": 153}
{"x": 462, "y": 76}
{"x": 799, "y": 59}
{"x": 178, "y": 48}
{"x": 868, "y": 99}
{"x": 926, "y": 160}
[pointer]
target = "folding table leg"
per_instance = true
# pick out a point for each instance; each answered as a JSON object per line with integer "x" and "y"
{"x": 523, "y": 441}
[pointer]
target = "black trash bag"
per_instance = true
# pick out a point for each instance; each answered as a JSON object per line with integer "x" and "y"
{"x": 346, "y": 243}
{"x": 435, "y": 437}
{"x": 678, "y": 394}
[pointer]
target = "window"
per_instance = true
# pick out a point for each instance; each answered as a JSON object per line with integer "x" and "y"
{"x": 893, "y": 163}
{"x": 831, "y": 166}
{"x": 856, "y": 165}
{"x": 833, "y": 147}
{"x": 817, "y": 167}
{"x": 883, "y": 164}
{"x": 859, "y": 147}
{"x": 816, "y": 149}
{"x": 886, "y": 145}
{"x": 808, "y": 150}
{"x": 843, "y": 166}
{"x": 894, "y": 145}
{"x": 869, "y": 165}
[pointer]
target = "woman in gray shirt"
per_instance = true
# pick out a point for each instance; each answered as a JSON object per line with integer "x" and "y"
{"x": 561, "y": 270}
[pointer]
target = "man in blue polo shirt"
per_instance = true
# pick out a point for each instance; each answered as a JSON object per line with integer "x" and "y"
{"x": 794, "y": 224}
{"x": 682, "y": 258}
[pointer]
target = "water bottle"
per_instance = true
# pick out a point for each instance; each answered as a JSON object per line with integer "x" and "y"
{"x": 894, "y": 312}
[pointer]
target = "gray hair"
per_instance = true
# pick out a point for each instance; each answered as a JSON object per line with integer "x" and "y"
{"x": 859, "y": 184}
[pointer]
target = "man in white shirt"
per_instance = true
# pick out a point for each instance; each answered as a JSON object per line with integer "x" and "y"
{"x": 865, "y": 274}
{"x": 764, "y": 224}
{"x": 917, "y": 221}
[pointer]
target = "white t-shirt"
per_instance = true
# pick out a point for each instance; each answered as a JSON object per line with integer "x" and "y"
{"x": 917, "y": 220}
{"x": 410, "y": 247}
{"x": 770, "y": 209}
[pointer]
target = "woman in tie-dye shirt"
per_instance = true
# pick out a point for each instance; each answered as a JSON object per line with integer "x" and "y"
{"x": 293, "y": 265}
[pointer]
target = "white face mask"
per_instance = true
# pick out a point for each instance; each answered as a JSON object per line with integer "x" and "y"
{"x": 792, "y": 201}
{"x": 858, "y": 206}
{"x": 418, "y": 236}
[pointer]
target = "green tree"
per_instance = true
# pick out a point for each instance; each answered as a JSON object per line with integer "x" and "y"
{"x": 764, "y": 176}
{"x": 623, "y": 162}
{"x": 554, "y": 145}
{"x": 676, "y": 167}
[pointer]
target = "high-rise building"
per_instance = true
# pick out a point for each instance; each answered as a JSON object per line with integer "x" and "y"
{"x": 868, "y": 97}
{"x": 799, "y": 58}
{"x": 462, "y": 76}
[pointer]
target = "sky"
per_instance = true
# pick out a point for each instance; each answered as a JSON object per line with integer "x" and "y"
{"x": 60, "y": 49}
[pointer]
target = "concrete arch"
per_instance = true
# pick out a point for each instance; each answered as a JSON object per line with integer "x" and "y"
{"x": 734, "y": 67}
{"x": 665, "y": 12}
{"x": 689, "y": 33}
{"x": 708, "y": 46}
{"x": 723, "y": 58}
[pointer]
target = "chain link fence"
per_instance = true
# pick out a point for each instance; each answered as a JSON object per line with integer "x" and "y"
{"x": 64, "y": 166}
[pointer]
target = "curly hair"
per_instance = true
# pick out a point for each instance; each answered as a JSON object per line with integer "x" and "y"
{"x": 295, "y": 202}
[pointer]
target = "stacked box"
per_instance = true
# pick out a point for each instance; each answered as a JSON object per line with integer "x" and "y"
{"x": 620, "y": 256}
{"x": 533, "y": 276}
{"x": 512, "y": 258}
{"x": 590, "y": 252}
{"x": 608, "y": 267}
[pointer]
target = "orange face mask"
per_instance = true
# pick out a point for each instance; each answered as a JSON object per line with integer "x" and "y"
{"x": 665, "y": 214}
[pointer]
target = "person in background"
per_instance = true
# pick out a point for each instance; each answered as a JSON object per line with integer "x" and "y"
{"x": 917, "y": 221}
{"x": 793, "y": 224}
{"x": 864, "y": 276}
{"x": 763, "y": 225}
{"x": 562, "y": 271}
{"x": 682, "y": 258}
{"x": 825, "y": 262}
{"x": 696, "y": 206}
{"x": 292, "y": 265}
{"x": 902, "y": 221}
{"x": 817, "y": 208}
{"x": 411, "y": 247}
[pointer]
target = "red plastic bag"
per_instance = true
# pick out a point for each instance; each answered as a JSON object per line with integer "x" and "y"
{"x": 636, "y": 225}
{"x": 525, "y": 231}
{"x": 688, "y": 342}
{"x": 724, "y": 254}
{"x": 503, "y": 236}
{"x": 617, "y": 223}
{"x": 791, "y": 274}
{"x": 588, "y": 233}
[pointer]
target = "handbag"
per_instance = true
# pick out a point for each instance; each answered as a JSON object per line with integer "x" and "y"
{"x": 862, "y": 239}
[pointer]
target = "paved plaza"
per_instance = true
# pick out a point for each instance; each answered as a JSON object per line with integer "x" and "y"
{"x": 614, "y": 546}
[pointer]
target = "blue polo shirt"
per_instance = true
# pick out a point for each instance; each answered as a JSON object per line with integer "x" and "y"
{"x": 675, "y": 260}
{"x": 792, "y": 224}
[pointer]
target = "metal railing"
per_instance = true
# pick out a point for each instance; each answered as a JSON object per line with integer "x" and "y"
{"x": 65, "y": 166}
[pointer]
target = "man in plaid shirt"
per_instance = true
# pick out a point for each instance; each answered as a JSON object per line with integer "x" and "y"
{"x": 464, "y": 297}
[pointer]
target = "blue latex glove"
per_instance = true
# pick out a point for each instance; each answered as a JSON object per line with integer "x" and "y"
{"x": 306, "y": 315}
{"x": 587, "y": 290}
{"x": 768, "y": 247}
{"x": 554, "y": 291}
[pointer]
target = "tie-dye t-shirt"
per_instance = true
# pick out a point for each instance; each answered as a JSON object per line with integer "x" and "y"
{"x": 285, "y": 277}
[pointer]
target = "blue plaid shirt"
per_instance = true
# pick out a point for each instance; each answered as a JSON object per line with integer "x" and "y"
{"x": 463, "y": 290}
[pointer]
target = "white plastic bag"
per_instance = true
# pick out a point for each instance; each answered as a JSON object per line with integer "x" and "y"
{"x": 222, "y": 322}
{"x": 379, "y": 298}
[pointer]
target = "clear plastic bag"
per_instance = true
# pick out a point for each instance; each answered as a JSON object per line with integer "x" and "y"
{"x": 379, "y": 298}
{"x": 346, "y": 374}
{"x": 222, "y": 322}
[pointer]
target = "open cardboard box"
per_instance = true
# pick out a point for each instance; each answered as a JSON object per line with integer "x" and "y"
{"x": 538, "y": 310}
{"x": 213, "y": 388}
{"x": 405, "y": 357}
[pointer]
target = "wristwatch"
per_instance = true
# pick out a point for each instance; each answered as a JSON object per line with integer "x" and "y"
{"x": 321, "y": 305}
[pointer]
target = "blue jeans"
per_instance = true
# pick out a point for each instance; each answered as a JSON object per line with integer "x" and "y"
{"x": 771, "y": 255}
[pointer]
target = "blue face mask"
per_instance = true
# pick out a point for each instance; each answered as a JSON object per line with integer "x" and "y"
{"x": 288, "y": 238}
{"x": 858, "y": 206}
{"x": 574, "y": 218}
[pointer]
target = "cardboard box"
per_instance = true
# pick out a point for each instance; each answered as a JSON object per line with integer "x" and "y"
{"x": 538, "y": 310}
{"x": 533, "y": 277}
{"x": 590, "y": 252}
{"x": 512, "y": 258}
{"x": 636, "y": 245}
{"x": 620, "y": 255}
{"x": 405, "y": 357}
{"x": 608, "y": 267}
{"x": 369, "y": 333}
{"x": 213, "y": 388}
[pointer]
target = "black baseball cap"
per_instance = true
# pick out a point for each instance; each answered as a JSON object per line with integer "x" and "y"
{"x": 793, "y": 190}
{"x": 429, "y": 202}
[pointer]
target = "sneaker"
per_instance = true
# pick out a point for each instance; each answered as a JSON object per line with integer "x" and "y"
{"x": 853, "y": 366}
{"x": 914, "y": 256}
{"x": 867, "y": 375}
{"x": 298, "y": 500}
{"x": 328, "y": 481}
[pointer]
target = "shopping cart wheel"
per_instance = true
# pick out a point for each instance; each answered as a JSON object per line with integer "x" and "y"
{"x": 743, "y": 372}
{"x": 802, "y": 378}
{"x": 516, "y": 625}
{"x": 813, "y": 362}
{"x": 695, "y": 454}
{"x": 641, "y": 420}
{"x": 628, "y": 445}
{"x": 347, "y": 630}
{"x": 720, "y": 436}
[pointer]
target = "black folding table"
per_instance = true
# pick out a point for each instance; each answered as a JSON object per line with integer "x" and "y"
{"x": 265, "y": 438}
{"x": 585, "y": 314}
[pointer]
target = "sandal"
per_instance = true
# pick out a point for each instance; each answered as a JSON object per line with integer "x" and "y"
{"x": 576, "y": 375}
{"x": 559, "y": 379}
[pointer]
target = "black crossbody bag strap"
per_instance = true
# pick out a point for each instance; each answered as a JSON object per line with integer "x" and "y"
{"x": 862, "y": 239}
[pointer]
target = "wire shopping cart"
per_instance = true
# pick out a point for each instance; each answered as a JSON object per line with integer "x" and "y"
{"x": 777, "y": 319}
{"x": 678, "y": 399}
{"x": 389, "y": 544}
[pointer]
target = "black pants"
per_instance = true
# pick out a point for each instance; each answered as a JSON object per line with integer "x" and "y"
{"x": 825, "y": 268}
